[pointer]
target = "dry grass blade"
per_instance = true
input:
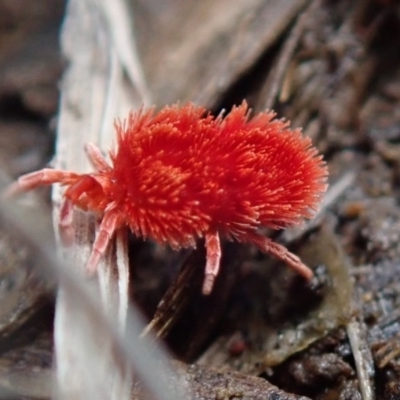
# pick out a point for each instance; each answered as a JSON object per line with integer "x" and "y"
{"x": 95, "y": 90}
{"x": 121, "y": 31}
{"x": 143, "y": 355}
{"x": 357, "y": 333}
{"x": 275, "y": 81}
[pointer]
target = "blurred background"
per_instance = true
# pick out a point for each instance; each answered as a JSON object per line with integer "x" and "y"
{"x": 330, "y": 67}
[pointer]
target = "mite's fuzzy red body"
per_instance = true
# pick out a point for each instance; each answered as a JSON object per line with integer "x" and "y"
{"x": 182, "y": 174}
{"x": 177, "y": 175}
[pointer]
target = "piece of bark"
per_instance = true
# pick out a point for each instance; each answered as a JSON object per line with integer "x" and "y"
{"x": 210, "y": 384}
{"x": 30, "y": 62}
{"x": 26, "y": 364}
{"x": 23, "y": 291}
{"x": 195, "y": 51}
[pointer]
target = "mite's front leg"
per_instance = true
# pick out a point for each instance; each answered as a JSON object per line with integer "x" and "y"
{"x": 96, "y": 158}
{"x": 65, "y": 223}
{"x": 109, "y": 224}
{"x": 43, "y": 177}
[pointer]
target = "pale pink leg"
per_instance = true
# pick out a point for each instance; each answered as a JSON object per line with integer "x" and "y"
{"x": 213, "y": 247}
{"x": 268, "y": 246}
{"x": 42, "y": 177}
{"x": 65, "y": 224}
{"x": 96, "y": 158}
{"x": 108, "y": 226}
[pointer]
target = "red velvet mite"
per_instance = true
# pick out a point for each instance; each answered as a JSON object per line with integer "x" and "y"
{"x": 182, "y": 174}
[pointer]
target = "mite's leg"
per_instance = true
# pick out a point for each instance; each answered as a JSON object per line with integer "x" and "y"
{"x": 268, "y": 246}
{"x": 213, "y": 248}
{"x": 65, "y": 225}
{"x": 42, "y": 177}
{"x": 108, "y": 226}
{"x": 96, "y": 158}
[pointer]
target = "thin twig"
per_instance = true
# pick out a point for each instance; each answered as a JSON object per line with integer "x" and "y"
{"x": 356, "y": 332}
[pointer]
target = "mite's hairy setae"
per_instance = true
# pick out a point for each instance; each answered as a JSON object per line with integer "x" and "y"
{"x": 182, "y": 174}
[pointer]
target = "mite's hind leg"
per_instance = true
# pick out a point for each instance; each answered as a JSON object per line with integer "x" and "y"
{"x": 213, "y": 249}
{"x": 96, "y": 157}
{"x": 46, "y": 176}
{"x": 109, "y": 224}
{"x": 266, "y": 245}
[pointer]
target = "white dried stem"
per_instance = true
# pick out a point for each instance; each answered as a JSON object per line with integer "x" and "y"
{"x": 103, "y": 80}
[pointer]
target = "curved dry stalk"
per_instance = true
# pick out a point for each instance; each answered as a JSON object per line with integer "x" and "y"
{"x": 103, "y": 81}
